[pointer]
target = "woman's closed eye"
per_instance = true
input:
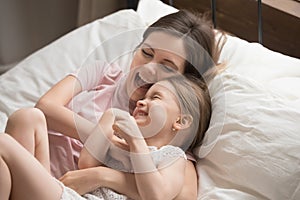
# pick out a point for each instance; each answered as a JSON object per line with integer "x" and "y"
{"x": 147, "y": 53}
{"x": 168, "y": 68}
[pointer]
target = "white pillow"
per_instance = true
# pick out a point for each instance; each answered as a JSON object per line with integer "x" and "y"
{"x": 127, "y": 18}
{"x": 151, "y": 10}
{"x": 274, "y": 70}
{"x": 257, "y": 152}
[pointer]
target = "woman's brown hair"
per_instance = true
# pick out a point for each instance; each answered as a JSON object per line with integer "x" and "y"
{"x": 202, "y": 47}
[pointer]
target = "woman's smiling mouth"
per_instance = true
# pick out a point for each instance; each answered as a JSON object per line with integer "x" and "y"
{"x": 140, "y": 82}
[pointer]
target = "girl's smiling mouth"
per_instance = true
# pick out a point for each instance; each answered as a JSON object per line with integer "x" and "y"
{"x": 139, "y": 113}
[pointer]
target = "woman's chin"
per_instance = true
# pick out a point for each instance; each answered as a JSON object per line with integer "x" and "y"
{"x": 138, "y": 94}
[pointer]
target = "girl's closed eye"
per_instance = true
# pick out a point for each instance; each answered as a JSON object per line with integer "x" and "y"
{"x": 156, "y": 96}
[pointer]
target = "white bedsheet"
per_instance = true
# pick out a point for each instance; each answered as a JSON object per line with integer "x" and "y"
{"x": 252, "y": 148}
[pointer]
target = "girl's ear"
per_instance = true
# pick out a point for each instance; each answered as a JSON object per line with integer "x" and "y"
{"x": 183, "y": 122}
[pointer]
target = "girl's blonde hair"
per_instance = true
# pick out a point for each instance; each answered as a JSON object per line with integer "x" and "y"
{"x": 194, "y": 99}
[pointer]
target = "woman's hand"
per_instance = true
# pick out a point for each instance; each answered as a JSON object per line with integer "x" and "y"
{"x": 82, "y": 181}
{"x": 87, "y": 180}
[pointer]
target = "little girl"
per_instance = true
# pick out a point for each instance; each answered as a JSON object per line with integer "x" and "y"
{"x": 164, "y": 124}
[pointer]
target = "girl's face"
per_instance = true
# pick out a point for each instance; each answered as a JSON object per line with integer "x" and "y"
{"x": 158, "y": 111}
{"x": 156, "y": 58}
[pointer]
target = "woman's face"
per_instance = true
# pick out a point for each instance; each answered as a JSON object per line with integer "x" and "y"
{"x": 159, "y": 56}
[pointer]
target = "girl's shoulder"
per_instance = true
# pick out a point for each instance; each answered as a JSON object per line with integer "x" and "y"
{"x": 167, "y": 152}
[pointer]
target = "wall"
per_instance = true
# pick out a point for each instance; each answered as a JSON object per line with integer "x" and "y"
{"x": 28, "y": 25}
{"x": 90, "y": 10}
{"x": 281, "y": 30}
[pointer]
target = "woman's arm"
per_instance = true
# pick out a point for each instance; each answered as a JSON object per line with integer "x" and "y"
{"x": 86, "y": 180}
{"x": 87, "y": 160}
{"x": 59, "y": 118}
{"x": 124, "y": 183}
{"x": 98, "y": 142}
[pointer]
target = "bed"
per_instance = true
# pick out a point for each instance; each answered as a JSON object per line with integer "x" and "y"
{"x": 252, "y": 147}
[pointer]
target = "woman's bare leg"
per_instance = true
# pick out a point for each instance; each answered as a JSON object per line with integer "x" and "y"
{"x": 22, "y": 176}
{"x": 28, "y": 126}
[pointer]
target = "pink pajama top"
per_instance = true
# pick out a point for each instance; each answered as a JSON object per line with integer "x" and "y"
{"x": 99, "y": 83}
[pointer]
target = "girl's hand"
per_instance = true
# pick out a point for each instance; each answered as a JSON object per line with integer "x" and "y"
{"x": 125, "y": 126}
{"x": 107, "y": 118}
{"x": 82, "y": 181}
{"x": 119, "y": 142}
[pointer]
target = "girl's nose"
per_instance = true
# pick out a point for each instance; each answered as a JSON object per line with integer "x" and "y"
{"x": 141, "y": 103}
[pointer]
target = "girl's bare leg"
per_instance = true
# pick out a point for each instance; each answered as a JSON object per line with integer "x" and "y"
{"x": 22, "y": 176}
{"x": 5, "y": 180}
{"x": 28, "y": 126}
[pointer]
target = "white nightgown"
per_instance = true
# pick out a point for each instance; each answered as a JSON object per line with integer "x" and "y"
{"x": 159, "y": 156}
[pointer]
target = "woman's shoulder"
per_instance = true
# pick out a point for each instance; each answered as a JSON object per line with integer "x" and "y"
{"x": 108, "y": 66}
{"x": 109, "y": 71}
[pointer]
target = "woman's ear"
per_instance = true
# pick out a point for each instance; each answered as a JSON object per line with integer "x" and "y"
{"x": 183, "y": 122}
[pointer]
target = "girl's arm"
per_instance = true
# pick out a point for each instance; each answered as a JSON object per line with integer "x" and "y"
{"x": 59, "y": 118}
{"x": 190, "y": 187}
{"x": 149, "y": 179}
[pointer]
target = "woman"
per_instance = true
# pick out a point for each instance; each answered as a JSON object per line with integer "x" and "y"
{"x": 185, "y": 34}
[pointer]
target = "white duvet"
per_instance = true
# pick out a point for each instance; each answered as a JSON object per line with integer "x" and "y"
{"x": 252, "y": 147}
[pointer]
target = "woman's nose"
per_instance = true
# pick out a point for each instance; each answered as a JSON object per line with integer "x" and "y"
{"x": 151, "y": 68}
